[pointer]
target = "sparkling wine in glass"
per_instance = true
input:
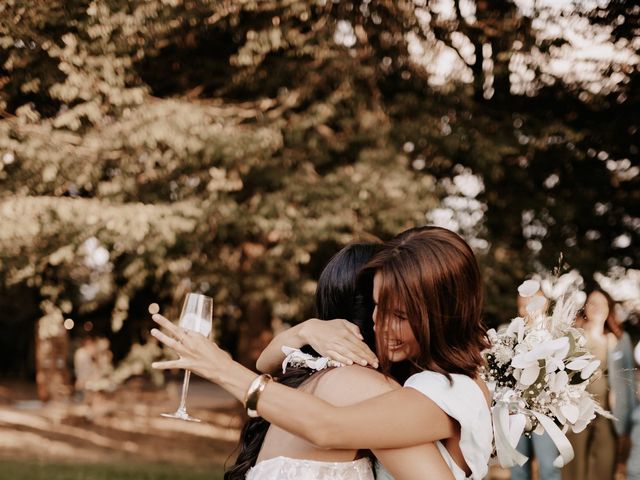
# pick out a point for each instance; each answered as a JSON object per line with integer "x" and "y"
{"x": 197, "y": 315}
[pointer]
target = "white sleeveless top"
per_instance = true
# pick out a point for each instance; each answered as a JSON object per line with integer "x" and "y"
{"x": 463, "y": 400}
{"x": 284, "y": 468}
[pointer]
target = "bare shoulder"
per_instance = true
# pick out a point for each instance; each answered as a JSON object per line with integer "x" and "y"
{"x": 352, "y": 384}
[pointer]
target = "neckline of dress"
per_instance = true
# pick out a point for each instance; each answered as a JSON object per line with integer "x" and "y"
{"x": 324, "y": 462}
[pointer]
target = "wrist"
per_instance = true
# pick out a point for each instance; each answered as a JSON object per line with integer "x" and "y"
{"x": 235, "y": 379}
{"x": 214, "y": 371}
{"x": 252, "y": 396}
{"x": 302, "y": 332}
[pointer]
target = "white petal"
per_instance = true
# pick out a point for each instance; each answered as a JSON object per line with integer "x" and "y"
{"x": 515, "y": 326}
{"x": 530, "y": 375}
{"x": 589, "y": 369}
{"x": 523, "y": 360}
{"x": 578, "y": 364}
{"x": 559, "y": 415}
{"x": 580, "y": 298}
{"x": 571, "y": 412}
{"x": 536, "y": 305}
{"x": 554, "y": 364}
{"x": 560, "y": 381}
{"x": 529, "y": 288}
{"x": 551, "y": 347}
{"x": 492, "y": 335}
{"x": 587, "y": 407}
{"x": 578, "y": 427}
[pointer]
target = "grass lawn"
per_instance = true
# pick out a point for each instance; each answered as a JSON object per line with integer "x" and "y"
{"x": 34, "y": 470}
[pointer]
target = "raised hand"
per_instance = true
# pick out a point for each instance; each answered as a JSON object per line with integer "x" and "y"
{"x": 338, "y": 339}
{"x": 196, "y": 353}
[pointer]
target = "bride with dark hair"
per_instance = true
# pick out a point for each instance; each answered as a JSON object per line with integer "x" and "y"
{"x": 428, "y": 301}
{"x": 341, "y": 293}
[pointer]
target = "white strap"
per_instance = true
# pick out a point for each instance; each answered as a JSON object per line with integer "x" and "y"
{"x": 508, "y": 429}
{"x": 506, "y": 440}
{"x": 559, "y": 439}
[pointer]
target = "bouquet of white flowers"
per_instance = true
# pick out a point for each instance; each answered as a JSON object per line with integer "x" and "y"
{"x": 539, "y": 369}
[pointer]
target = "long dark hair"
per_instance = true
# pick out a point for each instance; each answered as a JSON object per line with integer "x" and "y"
{"x": 344, "y": 292}
{"x": 341, "y": 293}
{"x": 431, "y": 274}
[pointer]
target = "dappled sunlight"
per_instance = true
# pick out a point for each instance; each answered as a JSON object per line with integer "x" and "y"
{"x": 114, "y": 426}
{"x": 154, "y": 148}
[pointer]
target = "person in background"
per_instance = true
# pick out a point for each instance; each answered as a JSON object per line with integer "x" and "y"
{"x": 83, "y": 365}
{"x": 633, "y": 465}
{"x": 601, "y": 449}
{"x": 539, "y": 446}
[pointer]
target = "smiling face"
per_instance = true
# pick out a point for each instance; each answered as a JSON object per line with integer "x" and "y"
{"x": 596, "y": 308}
{"x": 400, "y": 342}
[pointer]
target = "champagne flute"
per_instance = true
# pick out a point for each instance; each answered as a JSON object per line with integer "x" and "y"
{"x": 197, "y": 316}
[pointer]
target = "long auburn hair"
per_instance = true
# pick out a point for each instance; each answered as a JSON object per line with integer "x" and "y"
{"x": 432, "y": 276}
{"x": 341, "y": 293}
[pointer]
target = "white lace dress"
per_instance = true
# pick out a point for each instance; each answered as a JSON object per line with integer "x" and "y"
{"x": 284, "y": 468}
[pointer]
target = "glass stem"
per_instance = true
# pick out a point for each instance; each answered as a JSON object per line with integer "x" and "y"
{"x": 185, "y": 389}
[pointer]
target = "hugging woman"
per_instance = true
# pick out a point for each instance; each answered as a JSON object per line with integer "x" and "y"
{"x": 427, "y": 298}
{"x": 341, "y": 294}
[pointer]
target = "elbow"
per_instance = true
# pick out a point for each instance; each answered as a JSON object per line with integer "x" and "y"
{"x": 321, "y": 439}
{"x": 321, "y": 433}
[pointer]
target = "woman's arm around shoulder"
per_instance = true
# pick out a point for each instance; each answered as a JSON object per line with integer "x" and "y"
{"x": 349, "y": 385}
{"x": 337, "y": 339}
{"x": 400, "y": 418}
{"x": 271, "y": 357}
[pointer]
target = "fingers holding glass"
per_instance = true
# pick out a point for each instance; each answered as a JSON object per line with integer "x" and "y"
{"x": 196, "y": 316}
{"x": 165, "y": 339}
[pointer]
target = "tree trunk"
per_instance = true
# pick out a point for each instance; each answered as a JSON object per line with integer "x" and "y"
{"x": 254, "y": 333}
{"x": 53, "y": 378}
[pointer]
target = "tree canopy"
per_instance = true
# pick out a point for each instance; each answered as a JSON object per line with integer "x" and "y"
{"x": 152, "y": 147}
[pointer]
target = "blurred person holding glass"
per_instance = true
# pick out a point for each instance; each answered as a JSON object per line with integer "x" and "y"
{"x": 602, "y": 448}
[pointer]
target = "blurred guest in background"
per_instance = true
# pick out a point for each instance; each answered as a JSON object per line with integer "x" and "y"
{"x": 84, "y": 365}
{"x": 633, "y": 465}
{"x": 602, "y": 448}
{"x": 540, "y": 447}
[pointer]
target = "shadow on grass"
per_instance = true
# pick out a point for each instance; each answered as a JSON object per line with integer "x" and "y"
{"x": 35, "y": 470}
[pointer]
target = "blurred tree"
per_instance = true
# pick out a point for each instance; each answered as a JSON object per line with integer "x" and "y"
{"x": 154, "y": 147}
{"x": 119, "y": 182}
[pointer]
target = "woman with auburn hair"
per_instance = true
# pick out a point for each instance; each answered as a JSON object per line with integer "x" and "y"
{"x": 341, "y": 293}
{"x": 603, "y": 447}
{"x": 428, "y": 297}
